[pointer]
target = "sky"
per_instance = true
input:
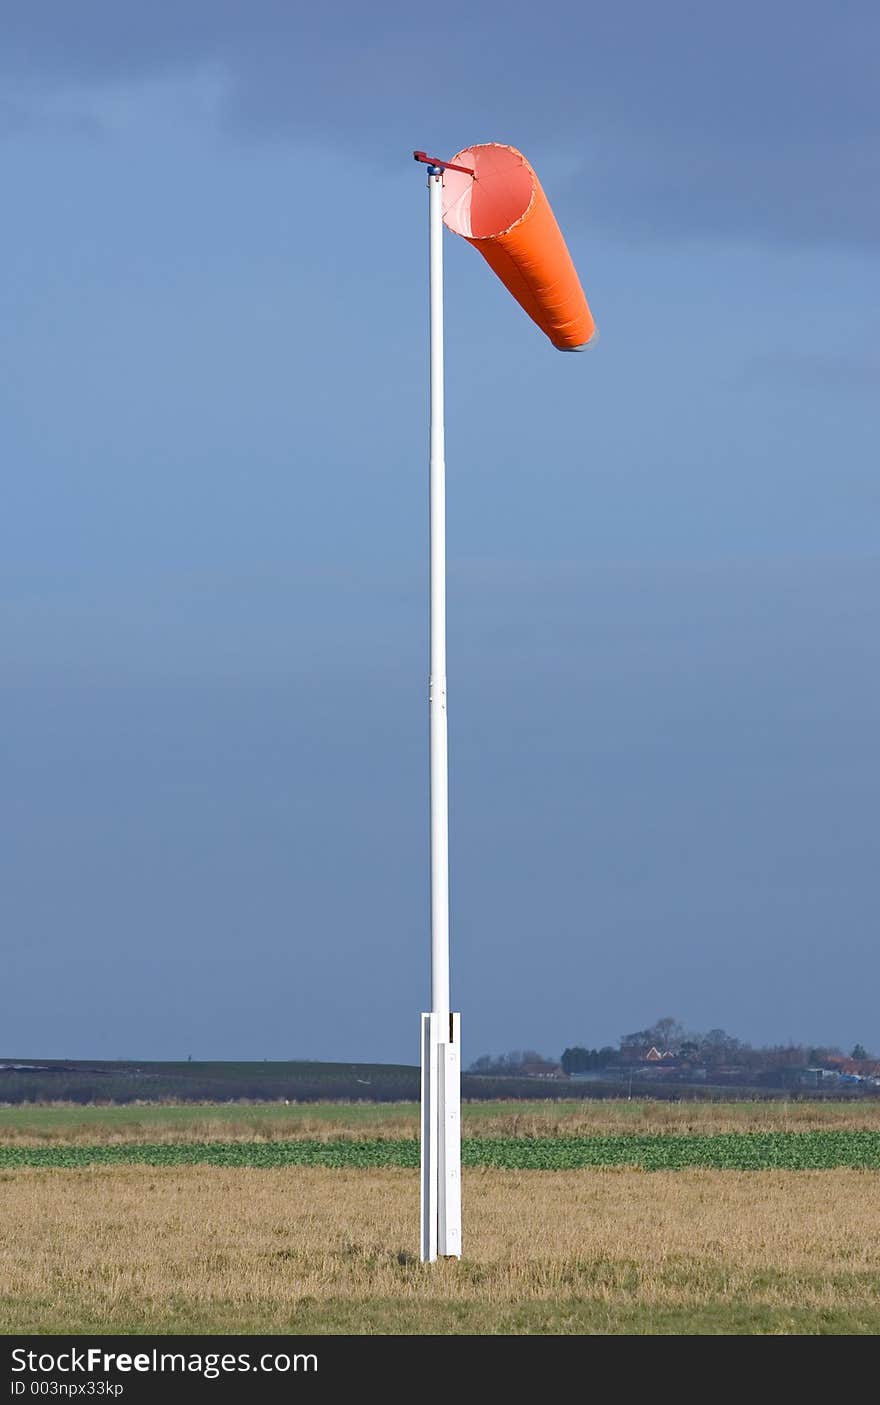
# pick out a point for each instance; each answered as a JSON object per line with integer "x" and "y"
{"x": 663, "y": 555}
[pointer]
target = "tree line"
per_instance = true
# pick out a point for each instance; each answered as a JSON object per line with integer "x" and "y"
{"x": 713, "y": 1048}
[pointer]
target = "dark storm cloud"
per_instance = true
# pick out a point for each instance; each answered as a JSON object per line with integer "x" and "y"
{"x": 752, "y": 121}
{"x": 663, "y": 655}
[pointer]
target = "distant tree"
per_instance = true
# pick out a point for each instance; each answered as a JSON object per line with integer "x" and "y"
{"x": 580, "y": 1060}
{"x": 508, "y": 1065}
{"x": 750, "y": 1058}
{"x": 784, "y": 1056}
{"x": 639, "y": 1039}
{"x": 665, "y": 1033}
{"x": 715, "y": 1048}
{"x": 719, "y": 1047}
{"x": 576, "y": 1060}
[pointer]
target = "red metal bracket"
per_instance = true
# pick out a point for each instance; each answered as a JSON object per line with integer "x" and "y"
{"x": 444, "y": 165}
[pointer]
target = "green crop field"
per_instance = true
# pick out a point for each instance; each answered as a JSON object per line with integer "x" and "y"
{"x": 746, "y": 1151}
{"x": 726, "y": 1151}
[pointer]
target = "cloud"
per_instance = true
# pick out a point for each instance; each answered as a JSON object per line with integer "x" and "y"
{"x": 677, "y": 121}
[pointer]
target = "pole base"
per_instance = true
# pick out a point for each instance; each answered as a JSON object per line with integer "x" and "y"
{"x": 441, "y": 1137}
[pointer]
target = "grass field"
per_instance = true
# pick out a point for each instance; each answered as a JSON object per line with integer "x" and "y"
{"x": 121, "y": 1082}
{"x": 190, "y": 1249}
{"x": 39, "y": 1124}
{"x": 272, "y": 1240}
{"x": 30, "y": 1080}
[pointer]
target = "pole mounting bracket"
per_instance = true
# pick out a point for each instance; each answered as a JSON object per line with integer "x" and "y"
{"x": 442, "y": 165}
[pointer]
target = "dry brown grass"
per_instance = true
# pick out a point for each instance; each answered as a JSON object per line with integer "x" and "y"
{"x": 48, "y": 1123}
{"x": 307, "y": 1249}
{"x": 613, "y": 1118}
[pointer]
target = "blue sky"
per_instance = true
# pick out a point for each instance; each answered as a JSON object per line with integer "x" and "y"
{"x": 663, "y": 554}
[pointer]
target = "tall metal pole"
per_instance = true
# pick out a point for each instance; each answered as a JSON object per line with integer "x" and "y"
{"x": 441, "y": 1067}
{"x": 437, "y": 683}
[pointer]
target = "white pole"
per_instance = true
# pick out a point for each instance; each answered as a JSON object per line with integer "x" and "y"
{"x": 441, "y": 1068}
{"x": 437, "y": 684}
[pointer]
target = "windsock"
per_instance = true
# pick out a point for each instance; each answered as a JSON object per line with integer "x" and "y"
{"x": 502, "y": 210}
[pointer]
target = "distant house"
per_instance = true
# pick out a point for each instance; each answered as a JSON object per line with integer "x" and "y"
{"x": 819, "y": 1077}
{"x": 860, "y": 1068}
{"x": 541, "y": 1068}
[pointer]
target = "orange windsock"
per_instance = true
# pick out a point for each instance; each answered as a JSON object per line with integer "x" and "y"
{"x": 502, "y": 210}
